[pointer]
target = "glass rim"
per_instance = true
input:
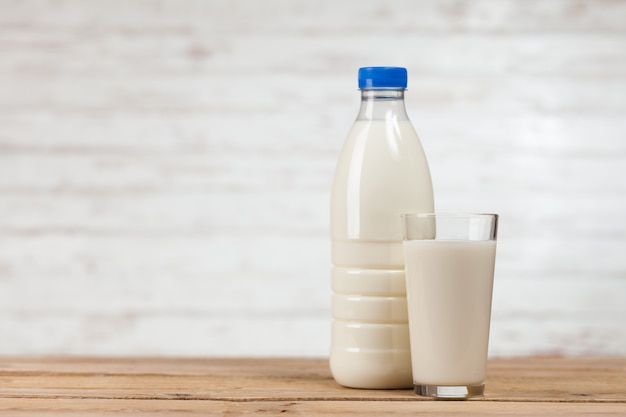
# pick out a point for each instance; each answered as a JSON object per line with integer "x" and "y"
{"x": 477, "y": 226}
{"x": 450, "y": 215}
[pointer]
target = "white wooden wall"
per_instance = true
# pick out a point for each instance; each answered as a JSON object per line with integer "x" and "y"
{"x": 165, "y": 166}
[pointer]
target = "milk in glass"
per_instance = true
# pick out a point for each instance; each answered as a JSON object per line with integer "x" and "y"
{"x": 449, "y": 287}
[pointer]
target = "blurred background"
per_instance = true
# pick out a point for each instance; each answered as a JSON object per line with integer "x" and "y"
{"x": 165, "y": 166}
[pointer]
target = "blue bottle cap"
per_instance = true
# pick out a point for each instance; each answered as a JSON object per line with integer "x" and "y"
{"x": 382, "y": 77}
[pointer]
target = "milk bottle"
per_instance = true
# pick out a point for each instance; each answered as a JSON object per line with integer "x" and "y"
{"x": 382, "y": 172}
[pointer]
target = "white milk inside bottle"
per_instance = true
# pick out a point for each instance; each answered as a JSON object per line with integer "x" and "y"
{"x": 382, "y": 172}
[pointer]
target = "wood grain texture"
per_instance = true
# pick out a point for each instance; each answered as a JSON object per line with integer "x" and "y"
{"x": 547, "y": 379}
{"x": 165, "y": 166}
{"x": 97, "y": 386}
{"x": 90, "y": 407}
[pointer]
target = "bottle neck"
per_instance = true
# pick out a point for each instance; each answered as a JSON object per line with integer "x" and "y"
{"x": 382, "y": 104}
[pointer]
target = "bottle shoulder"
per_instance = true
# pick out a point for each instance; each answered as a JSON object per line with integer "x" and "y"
{"x": 381, "y": 139}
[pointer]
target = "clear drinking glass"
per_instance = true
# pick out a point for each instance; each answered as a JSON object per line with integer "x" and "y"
{"x": 449, "y": 261}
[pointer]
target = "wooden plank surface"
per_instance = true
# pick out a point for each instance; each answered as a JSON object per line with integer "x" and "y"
{"x": 521, "y": 386}
{"x": 90, "y": 407}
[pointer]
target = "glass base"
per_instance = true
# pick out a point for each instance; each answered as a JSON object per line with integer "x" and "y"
{"x": 449, "y": 392}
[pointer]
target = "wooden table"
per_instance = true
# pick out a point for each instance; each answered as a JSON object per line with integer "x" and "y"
{"x": 62, "y": 386}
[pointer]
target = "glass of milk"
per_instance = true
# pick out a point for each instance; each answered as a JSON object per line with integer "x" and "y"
{"x": 449, "y": 262}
